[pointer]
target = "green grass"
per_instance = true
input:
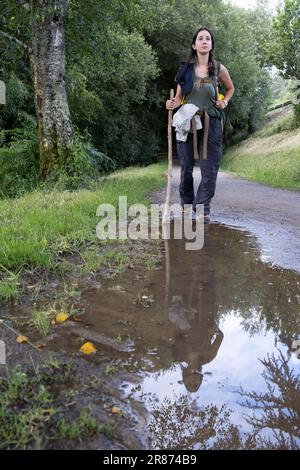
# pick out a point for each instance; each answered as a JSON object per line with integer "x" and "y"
{"x": 111, "y": 368}
{"x": 285, "y": 123}
{"x": 41, "y": 320}
{"x": 152, "y": 262}
{"x": 95, "y": 260}
{"x": 40, "y": 226}
{"x": 271, "y": 156}
{"x": 71, "y": 291}
{"x": 34, "y": 412}
{"x": 85, "y": 423}
{"x": 9, "y": 289}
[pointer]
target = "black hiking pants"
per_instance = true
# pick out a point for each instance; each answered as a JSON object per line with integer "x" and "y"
{"x": 209, "y": 168}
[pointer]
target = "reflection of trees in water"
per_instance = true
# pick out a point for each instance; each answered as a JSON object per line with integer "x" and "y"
{"x": 182, "y": 425}
{"x": 226, "y": 277}
{"x": 270, "y": 307}
{"x": 280, "y": 405}
{"x": 265, "y": 296}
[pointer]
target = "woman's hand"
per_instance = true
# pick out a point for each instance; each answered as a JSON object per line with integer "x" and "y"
{"x": 170, "y": 104}
{"x": 221, "y": 104}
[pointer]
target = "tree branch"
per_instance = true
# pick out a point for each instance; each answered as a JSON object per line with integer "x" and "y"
{"x": 17, "y": 41}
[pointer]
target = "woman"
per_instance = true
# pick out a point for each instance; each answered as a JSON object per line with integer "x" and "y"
{"x": 197, "y": 83}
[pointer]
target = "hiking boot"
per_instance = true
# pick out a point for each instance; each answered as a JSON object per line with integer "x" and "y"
{"x": 205, "y": 217}
{"x": 185, "y": 210}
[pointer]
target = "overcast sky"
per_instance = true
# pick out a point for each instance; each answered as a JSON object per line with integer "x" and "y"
{"x": 251, "y": 3}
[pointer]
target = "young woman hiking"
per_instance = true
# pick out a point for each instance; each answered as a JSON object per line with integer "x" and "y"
{"x": 197, "y": 83}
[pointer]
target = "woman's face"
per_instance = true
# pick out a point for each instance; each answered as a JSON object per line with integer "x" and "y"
{"x": 203, "y": 42}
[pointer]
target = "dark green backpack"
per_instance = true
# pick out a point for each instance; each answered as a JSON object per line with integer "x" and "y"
{"x": 218, "y": 89}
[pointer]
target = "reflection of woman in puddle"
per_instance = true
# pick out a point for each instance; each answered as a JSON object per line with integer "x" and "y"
{"x": 192, "y": 374}
{"x": 192, "y": 311}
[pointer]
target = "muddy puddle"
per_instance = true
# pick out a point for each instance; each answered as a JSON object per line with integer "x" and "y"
{"x": 207, "y": 336}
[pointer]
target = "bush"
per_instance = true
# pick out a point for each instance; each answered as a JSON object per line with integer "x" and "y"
{"x": 85, "y": 164}
{"x": 237, "y": 136}
{"x": 286, "y": 123}
{"x": 19, "y": 103}
{"x": 18, "y": 162}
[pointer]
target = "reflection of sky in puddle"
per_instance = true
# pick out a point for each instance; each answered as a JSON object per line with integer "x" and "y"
{"x": 215, "y": 312}
{"x": 236, "y": 365}
{"x": 226, "y": 308}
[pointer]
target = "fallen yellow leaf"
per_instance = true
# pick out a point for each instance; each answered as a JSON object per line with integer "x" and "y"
{"x": 115, "y": 410}
{"x": 88, "y": 348}
{"x": 61, "y": 317}
{"x": 49, "y": 411}
{"x": 22, "y": 339}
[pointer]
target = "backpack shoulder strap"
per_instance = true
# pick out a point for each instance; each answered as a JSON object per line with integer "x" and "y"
{"x": 216, "y": 77}
{"x": 217, "y": 67}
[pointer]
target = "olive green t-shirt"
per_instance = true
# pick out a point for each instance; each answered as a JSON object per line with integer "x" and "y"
{"x": 203, "y": 95}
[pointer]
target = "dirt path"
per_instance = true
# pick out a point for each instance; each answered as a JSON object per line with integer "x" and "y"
{"x": 272, "y": 215}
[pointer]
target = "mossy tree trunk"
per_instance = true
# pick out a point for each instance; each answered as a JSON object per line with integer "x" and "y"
{"x": 48, "y": 64}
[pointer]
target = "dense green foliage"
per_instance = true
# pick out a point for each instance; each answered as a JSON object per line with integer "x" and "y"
{"x": 285, "y": 45}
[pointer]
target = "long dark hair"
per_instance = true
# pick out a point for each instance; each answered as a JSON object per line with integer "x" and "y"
{"x": 193, "y": 53}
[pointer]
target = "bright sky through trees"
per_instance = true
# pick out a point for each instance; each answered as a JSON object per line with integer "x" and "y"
{"x": 251, "y": 3}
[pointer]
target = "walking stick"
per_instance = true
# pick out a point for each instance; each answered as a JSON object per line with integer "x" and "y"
{"x": 169, "y": 182}
{"x": 166, "y": 208}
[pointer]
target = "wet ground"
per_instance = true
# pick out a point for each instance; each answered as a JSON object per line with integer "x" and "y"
{"x": 194, "y": 334}
{"x": 203, "y": 340}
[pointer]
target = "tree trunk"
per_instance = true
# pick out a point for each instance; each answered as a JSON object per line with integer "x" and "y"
{"x": 48, "y": 64}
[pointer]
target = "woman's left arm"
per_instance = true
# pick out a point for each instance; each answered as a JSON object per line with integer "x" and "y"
{"x": 226, "y": 80}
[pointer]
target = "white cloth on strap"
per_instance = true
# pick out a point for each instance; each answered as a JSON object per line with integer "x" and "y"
{"x": 182, "y": 121}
